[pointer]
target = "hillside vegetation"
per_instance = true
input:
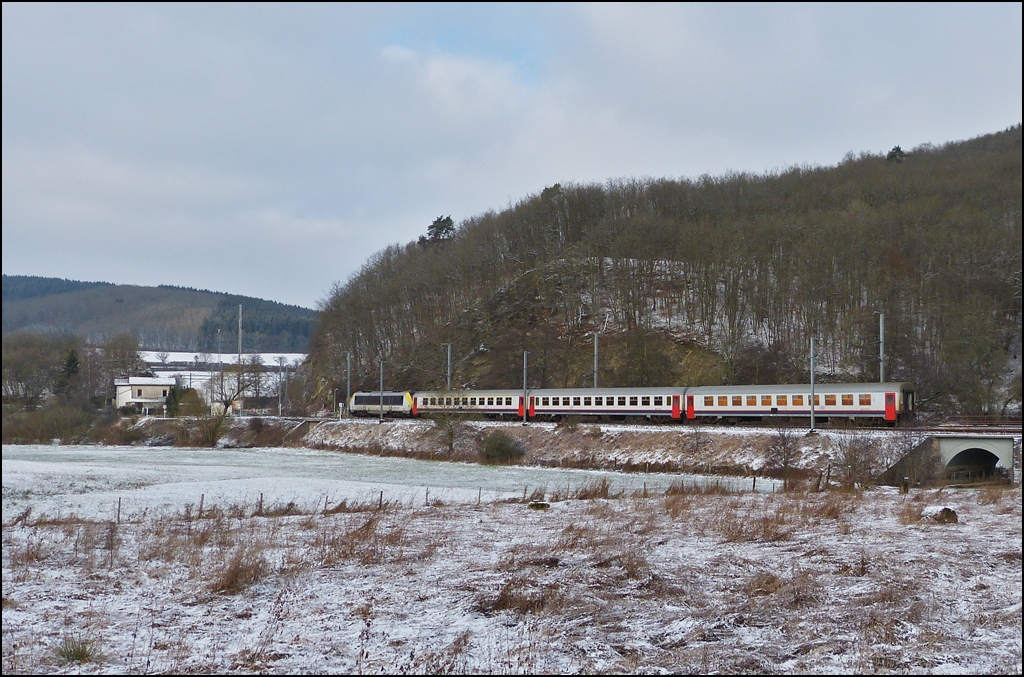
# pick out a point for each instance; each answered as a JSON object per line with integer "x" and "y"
{"x": 712, "y": 280}
{"x": 161, "y": 318}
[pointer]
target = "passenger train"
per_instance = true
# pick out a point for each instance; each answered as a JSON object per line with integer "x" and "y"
{"x": 865, "y": 402}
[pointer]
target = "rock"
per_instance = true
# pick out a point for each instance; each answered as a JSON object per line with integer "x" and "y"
{"x": 942, "y": 515}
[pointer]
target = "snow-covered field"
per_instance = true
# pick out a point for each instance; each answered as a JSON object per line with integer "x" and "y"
{"x": 470, "y": 579}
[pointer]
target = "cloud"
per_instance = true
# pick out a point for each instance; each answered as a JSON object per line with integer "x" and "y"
{"x": 270, "y": 150}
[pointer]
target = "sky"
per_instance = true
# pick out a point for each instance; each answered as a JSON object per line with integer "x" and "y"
{"x": 269, "y": 150}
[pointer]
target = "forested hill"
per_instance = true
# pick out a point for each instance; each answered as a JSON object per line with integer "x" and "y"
{"x": 162, "y": 318}
{"x": 713, "y": 280}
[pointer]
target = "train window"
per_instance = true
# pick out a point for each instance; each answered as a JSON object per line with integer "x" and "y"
{"x": 865, "y": 400}
{"x": 657, "y": 401}
{"x": 565, "y": 401}
{"x": 847, "y": 400}
{"x": 780, "y": 400}
{"x": 830, "y": 400}
{"x": 465, "y": 401}
{"x": 586, "y": 401}
{"x": 766, "y": 400}
{"x": 575, "y": 401}
{"x": 798, "y": 400}
{"x": 447, "y": 401}
{"x": 490, "y": 401}
{"x": 737, "y": 400}
{"x": 817, "y": 400}
{"x": 544, "y": 401}
{"x": 622, "y": 401}
{"x": 632, "y": 401}
{"x": 508, "y": 401}
{"x": 723, "y": 401}
{"x": 709, "y": 401}
{"x": 645, "y": 401}
{"x": 598, "y": 401}
{"x": 751, "y": 400}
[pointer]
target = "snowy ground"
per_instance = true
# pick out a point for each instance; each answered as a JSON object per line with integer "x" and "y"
{"x": 686, "y": 582}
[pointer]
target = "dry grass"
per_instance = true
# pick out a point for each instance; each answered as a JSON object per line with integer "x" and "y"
{"x": 910, "y": 512}
{"x": 245, "y": 567}
{"x": 520, "y": 595}
{"x": 75, "y": 650}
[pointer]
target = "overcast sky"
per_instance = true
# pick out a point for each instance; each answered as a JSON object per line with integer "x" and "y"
{"x": 269, "y": 150}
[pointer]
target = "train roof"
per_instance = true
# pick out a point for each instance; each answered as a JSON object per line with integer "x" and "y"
{"x": 804, "y": 388}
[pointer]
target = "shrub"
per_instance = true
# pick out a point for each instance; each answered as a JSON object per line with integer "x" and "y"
{"x": 75, "y": 650}
{"x": 502, "y": 449}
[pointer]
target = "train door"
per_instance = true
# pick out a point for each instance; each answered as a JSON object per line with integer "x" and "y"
{"x": 890, "y": 406}
{"x": 522, "y": 405}
{"x": 533, "y": 403}
{"x": 689, "y": 407}
{"x": 415, "y": 407}
{"x": 675, "y": 407}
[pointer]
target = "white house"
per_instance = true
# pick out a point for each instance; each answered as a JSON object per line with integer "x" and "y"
{"x": 147, "y": 395}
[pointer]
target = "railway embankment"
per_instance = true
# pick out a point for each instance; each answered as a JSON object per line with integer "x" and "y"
{"x": 647, "y": 448}
{"x": 730, "y": 450}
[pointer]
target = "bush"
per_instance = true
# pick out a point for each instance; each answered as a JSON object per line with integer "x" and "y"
{"x": 502, "y": 449}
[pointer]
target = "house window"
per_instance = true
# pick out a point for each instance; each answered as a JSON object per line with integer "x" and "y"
{"x": 657, "y": 401}
{"x": 798, "y": 400}
{"x": 766, "y": 400}
{"x": 164, "y": 393}
{"x": 780, "y": 400}
{"x": 138, "y": 393}
{"x": 865, "y": 400}
{"x": 830, "y": 400}
{"x": 737, "y": 400}
{"x": 709, "y": 401}
{"x": 751, "y": 400}
{"x": 847, "y": 400}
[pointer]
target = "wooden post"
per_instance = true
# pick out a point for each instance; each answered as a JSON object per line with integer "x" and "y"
{"x": 828, "y": 475}
{"x": 118, "y": 509}
{"x": 201, "y": 497}
{"x": 259, "y": 510}
{"x": 753, "y": 485}
{"x": 479, "y": 491}
{"x": 380, "y": 502}
{"x": 426, "y": 501}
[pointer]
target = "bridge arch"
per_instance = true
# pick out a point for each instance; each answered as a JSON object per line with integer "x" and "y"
{"x": 971, "y": 459}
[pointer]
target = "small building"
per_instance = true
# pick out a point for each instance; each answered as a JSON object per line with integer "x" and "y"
{"x": 146, "y": 394}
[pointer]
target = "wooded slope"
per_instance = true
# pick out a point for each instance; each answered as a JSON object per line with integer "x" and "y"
{"x": 713, "y": 280}
{"x": 162, "y": 318}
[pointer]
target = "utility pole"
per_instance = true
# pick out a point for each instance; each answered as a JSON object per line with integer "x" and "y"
{"x": 526, "y": 406}
{"x": 380, "y": 415}
{"x": 881, "y": 347}
{"x": 449, "y": 372}
{"x": 348, "y": 379}
{"x": 595, "y": 360}
{"x": 812, "y": 384}
{"x": 280, "y": 381}
{"x": 241, "y": 389}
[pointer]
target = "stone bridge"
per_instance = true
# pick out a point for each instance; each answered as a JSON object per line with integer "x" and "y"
{"x": 955, "y": 459}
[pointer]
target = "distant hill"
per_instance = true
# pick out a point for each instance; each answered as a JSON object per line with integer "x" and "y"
{"x": 162, "y": 318}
